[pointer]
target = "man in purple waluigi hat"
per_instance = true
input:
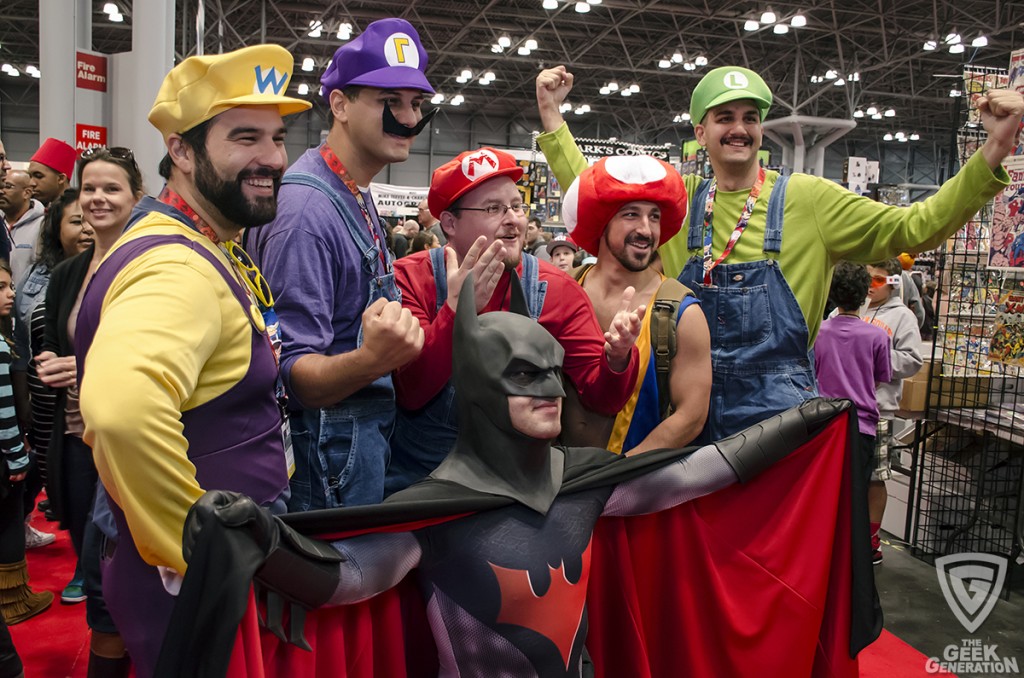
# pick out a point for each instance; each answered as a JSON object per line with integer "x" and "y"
{"x": 327, "y": 261}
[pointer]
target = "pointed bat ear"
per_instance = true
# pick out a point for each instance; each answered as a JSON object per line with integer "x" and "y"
{"x": 466, "y": 324}
{"x": 517, "y": 300}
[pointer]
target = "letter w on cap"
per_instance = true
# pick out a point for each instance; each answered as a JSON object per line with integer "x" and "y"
{"x": 270, "y": 80}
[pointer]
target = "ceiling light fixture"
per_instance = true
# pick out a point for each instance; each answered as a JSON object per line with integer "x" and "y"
{"x": 664, "y": 63}
{"x": 438, "y": 98}
{"x": 952, "y": 38}
{"x": 858, "y": 113}
{"x": 890, "y": 112}
{"x": 957, "y": 48}
{"x": 344, "y": 30}
{"x": 457, "y": 100}
{"x": 634, "y": 88}
{"x": 876, "y": 116}
{"x": 701, "y": 61}
{"x": 887, "y": 136}
{"x": 750, "y": 25}
{"x": 315, "y": 29}
{"x": 798, "y": 21}
{"x": 550, "y": 4}
{"x": 930, "y": 45}
{"x": 505, "y": 41}
{"x": 307, "y": 64}
{"x": 582, "y": 7}
{"x": 690, "y": 66}
{"x": 955, "y": 92}
{"x": 677, "y": 57}
{"x": 839, "y": 82}
{"x": 914, "y": 136}
{"x": 111, "y": 8}
{"x": 303, "y": 89}
{"x": 117, "y": 18}
{"x": 780, "y": 29}
{"x": 768, "y": 17}
{"x": 531, "y": 44}
{"x": 980, "y": 41}
{"x": 605, "y": 90}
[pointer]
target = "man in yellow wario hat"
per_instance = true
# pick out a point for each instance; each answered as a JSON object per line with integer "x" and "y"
{"x": 179, "y": 388}
{"x": 760, "y": 257}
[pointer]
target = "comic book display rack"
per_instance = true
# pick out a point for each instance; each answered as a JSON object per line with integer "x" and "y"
{"x": 969, "y": 450}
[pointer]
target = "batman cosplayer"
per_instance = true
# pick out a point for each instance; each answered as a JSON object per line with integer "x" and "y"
{"x": 504, "y": 588}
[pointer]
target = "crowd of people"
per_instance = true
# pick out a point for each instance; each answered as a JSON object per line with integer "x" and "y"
{"x": 272, "y": 336}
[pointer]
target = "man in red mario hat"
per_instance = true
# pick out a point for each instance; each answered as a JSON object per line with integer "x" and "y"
{"x": 50, "y": 169}
{"x": 622, "y": 209}
{"x": 484, "y": 218}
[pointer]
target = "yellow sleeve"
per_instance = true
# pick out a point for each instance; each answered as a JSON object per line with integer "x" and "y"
{"x": 159, "y": 325}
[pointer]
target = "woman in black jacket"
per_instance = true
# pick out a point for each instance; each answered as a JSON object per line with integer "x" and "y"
{"x": 111, "y": 185}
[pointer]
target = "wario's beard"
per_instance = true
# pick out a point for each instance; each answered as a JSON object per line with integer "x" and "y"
{"x": 392, "y": 126}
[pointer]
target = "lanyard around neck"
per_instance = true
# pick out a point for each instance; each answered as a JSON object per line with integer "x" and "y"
{"x": 741, "y": 225}
{"x": 334, "y": 162}
{"x": 170, "y": 197}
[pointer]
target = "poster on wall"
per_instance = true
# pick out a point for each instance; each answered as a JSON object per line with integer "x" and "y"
{"x": 1007, "y": 343}
{"x": 1016, "y": 83}
{"x": 1006, "y": 249}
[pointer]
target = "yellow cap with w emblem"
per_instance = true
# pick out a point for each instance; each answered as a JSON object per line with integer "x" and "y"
{"x": 201, "y": 87}
{"x": 725, "y": 84}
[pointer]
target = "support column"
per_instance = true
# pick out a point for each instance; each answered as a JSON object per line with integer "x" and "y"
{"x": 137, "y": 78}
{"x": 65, "y": 26}
{"x": 793, "y": 134}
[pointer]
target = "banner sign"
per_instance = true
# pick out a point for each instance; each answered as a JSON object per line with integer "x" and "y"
{"x": 91, "y": 71}
{"x": 394, "y": 200}
{"x": 595, "y": 149}
{"x": 88, "y": 136}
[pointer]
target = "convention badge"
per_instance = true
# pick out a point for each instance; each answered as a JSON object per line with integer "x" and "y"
{"x": 286, "y": 438}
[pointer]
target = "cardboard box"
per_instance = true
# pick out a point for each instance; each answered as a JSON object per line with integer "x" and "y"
{"x": 960, "y": 392}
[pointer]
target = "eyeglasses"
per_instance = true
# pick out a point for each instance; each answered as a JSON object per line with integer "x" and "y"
{"x": 500, "y": 210}
{"x": 254, "y": 280}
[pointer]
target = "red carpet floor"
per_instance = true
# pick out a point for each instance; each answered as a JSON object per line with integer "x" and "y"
{"x": 55, "y": 644}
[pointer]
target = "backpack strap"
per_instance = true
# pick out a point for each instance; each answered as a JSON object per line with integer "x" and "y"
{"x": 580, "y": 271}
{"x": 664, "y": 318}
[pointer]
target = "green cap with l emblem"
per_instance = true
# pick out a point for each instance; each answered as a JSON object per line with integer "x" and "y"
{"x": 725, "y": 84}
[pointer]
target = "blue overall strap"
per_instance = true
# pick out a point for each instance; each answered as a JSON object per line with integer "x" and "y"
{"x": 695, "y": 238}
{"x": 440, "y": 276}
{"x": 349, "y": 216}
{"x": 776, "y": 206}
{"x": 534, "y": 289}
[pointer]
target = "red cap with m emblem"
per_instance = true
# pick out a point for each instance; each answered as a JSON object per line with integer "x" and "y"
{"x": 457, "y": 177}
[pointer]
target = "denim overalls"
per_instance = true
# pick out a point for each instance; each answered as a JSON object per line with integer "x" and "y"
{"x": 760, "y": 363}
{"x": 341, "y": 452}
{"x": 424, "y": 437}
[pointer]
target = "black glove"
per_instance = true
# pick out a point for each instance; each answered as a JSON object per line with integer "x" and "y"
{"x": 294, "y": 569}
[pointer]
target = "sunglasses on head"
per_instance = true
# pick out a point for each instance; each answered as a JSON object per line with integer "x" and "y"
{"x": 119, "y": 152}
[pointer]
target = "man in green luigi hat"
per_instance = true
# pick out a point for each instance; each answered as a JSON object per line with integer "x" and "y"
{"x": 758, "y": 247}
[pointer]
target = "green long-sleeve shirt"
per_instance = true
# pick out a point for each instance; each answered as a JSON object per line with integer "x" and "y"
{"x": 823, "y": 222}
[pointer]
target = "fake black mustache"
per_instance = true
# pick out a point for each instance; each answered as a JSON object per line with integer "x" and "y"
{"x": 392, "y": 126}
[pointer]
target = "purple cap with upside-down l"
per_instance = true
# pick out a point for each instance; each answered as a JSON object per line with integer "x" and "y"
{"x": 388, "y": 54}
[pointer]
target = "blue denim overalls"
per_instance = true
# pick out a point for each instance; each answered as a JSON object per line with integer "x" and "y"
{"x": 760, "y": 363}
{"x": 341, "y": 452}
{"x": 424, "y": 437}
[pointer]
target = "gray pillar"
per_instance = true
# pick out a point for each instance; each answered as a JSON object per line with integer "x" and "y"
{"x": 137, "y": 78}
{"x": 64, "y": 27}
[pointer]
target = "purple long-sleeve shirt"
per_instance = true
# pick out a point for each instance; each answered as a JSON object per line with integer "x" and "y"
{"x": 851, "y": 356}
{"x": 314, "y": 268}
